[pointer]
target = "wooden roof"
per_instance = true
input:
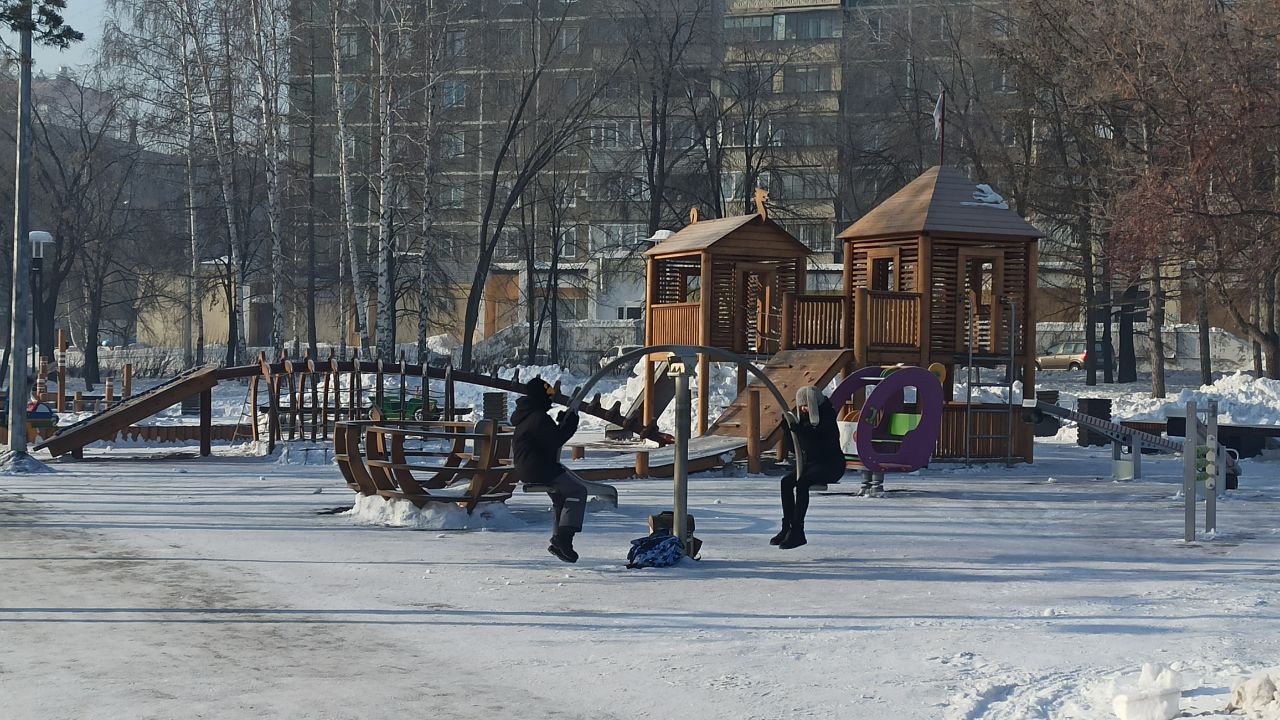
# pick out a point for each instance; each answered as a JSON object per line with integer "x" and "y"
{"x": 941, "y": 201}
{"x": 719, "y": 235}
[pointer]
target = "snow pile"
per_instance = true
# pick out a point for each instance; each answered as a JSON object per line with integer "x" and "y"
{"x": 1242, "y": 400}
{"x": 303, "y": 453}
{"x": 12, "y": 463}
{"x": 1154, "y": 696}
{"x": 435, "y": 516}
{"x": 984, "y": 196}
{"x": 1258, "y": 697}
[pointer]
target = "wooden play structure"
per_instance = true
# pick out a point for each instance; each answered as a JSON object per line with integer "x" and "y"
{"x": 943, "y": 273}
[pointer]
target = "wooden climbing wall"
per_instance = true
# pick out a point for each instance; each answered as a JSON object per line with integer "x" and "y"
{"x": 789, "y": 371}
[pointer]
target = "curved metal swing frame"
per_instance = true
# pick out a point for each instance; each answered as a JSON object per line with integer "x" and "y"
{"x": 685, "y": 350}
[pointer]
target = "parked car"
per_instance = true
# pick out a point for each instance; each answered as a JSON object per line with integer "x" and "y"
{"x": 616, "y": 352}
{"x": 1071, "y": 355}
{"x": 521, "y": 357}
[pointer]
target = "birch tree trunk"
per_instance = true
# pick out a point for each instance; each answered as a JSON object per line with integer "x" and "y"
{"x": 195, "y": 297}
{"x": 270, "y": 67}
{"x": 387, "y": 189}
{"x": 347, "y": 205}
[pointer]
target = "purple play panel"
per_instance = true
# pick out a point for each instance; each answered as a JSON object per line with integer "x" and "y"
{"x": 886, "y": 397}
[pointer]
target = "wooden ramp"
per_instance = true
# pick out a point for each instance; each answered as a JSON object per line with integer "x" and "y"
{"x": 789, "y": 370}
{"x": 107, "y": 424}
{"x": 705, "y": 453}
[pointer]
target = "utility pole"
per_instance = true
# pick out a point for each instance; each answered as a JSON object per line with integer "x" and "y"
{"x": 21, "y": 314}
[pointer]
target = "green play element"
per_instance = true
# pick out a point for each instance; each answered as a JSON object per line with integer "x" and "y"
{"x": 899, "y": 425}
{"x": 412, "y": 408}
{"x": 902, "y": 423}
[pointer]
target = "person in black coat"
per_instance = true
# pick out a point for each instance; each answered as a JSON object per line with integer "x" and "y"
{"x": 535, "y": 450}
{"x": 821, "y": 459}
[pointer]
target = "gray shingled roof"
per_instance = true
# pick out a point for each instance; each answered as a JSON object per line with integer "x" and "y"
{"x": 940, "y": 201}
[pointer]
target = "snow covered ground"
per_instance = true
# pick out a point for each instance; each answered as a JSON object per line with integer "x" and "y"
{"x": 219, "y": 588}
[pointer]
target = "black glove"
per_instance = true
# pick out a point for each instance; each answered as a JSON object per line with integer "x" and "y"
{"x": 569, "y": 420}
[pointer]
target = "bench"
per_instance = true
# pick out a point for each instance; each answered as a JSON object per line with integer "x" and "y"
{"x": 458, "y": 475}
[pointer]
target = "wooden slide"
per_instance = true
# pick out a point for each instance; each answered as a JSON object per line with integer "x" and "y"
{"x": 108, "y": 423}
{"x": 790, "y": 370}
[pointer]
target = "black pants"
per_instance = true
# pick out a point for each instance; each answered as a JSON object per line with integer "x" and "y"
{"x": 795, "y": 493}
{"x": 569, "y": 498}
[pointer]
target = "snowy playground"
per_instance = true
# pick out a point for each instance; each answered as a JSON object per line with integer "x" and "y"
{"x": 227, "y": 587}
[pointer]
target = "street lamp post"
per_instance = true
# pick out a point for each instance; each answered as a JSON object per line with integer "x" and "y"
{"x": 39, "y": 240}
{"x": 21, "y": 302}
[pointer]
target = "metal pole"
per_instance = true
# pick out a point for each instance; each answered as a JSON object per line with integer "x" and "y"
{"x": 680, "y": 467}
{"x": 21, "y": 255}
{"x": 1189, "y": 475}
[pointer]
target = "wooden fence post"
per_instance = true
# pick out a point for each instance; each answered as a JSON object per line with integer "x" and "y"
{"x": 642, "y": 463}
{"x": 788, "y": 330}
{"x": 106, "y": 394}
{"x": 753, "y": 431}
{"x": 126, "y": 385}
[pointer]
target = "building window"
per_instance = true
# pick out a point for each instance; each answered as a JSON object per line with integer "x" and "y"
{"x": 807, "y": 79}
{"x": 350, "y": 94}
{"x": 939, "y": 27}
{"x": 618, "y": 134}
{"x": 808, "y": 26}
{"x": 1002, "y": 81}
{"x": 569, "y": 244}
{"x": 453, "y": 144}
{"x": 818, "y": 237}
{"x": 631, "y": 312}
{"x": 569, "y": 40}
{"x": 453, "y": 93}
{"x": 455, "y": 43}
{"x": 617, "y": 235}
{"x": 755, "y": 27}
{"x": 348, "y": 44}
{"x": 509, "y": 245}
{"x": 878, "y": 28}
{"x": 452, "y": 197}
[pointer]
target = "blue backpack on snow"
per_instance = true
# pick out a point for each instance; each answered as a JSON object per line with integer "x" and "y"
{"x": 658, "y": 550}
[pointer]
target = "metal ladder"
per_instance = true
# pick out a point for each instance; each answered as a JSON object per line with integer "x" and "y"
{"x": 973, "y": 379}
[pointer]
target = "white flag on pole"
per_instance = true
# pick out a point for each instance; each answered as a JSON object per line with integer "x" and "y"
{"x": 937, "y": 116}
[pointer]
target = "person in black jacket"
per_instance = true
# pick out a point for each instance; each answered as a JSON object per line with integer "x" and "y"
{"x": 536, "y": 452}
{"x": 820, "y": 456}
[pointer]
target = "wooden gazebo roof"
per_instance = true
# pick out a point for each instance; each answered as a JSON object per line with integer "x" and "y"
{"x": 718, "y": 235}
{"x": 941, "y": 201}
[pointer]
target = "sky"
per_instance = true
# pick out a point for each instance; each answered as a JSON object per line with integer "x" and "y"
{"x": 85, "y": 16}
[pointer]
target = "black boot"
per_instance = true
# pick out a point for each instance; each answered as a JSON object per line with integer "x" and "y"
{"x": 794, "y": 539}
{"x": 562, "y": 546}
{"x": 782, "y": 534}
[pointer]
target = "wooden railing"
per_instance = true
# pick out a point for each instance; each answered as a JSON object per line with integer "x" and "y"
{"x": 674, "y": 324}
{"x": 813, "y": 321}
{"x": 892, "y": 319}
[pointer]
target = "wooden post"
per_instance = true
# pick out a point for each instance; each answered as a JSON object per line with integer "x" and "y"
{"x": 126, "y": 385}
{"x": 106, "y": 393}
{"x": 403, "y": 396}
{"x": 206, "y": 423}
{"x": 704, "y": 392}
{"x": 753, "y": 431}
{"x": 577, "y": 452}
{"x": 788, "y": 308}
{"x": 861, "y": 331}
{"x": 924, "y": 286}
{"x": 742, "y": 379}
{"x": 449, "y": 406}
{"x": 77, "y": 403}
{"x": 253, "y": 407}
{"x": 315, "y": 396}
{"x": 642, "y": 463}
{"x": 649, "y": 395}
{"x": 62, "y": 370}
